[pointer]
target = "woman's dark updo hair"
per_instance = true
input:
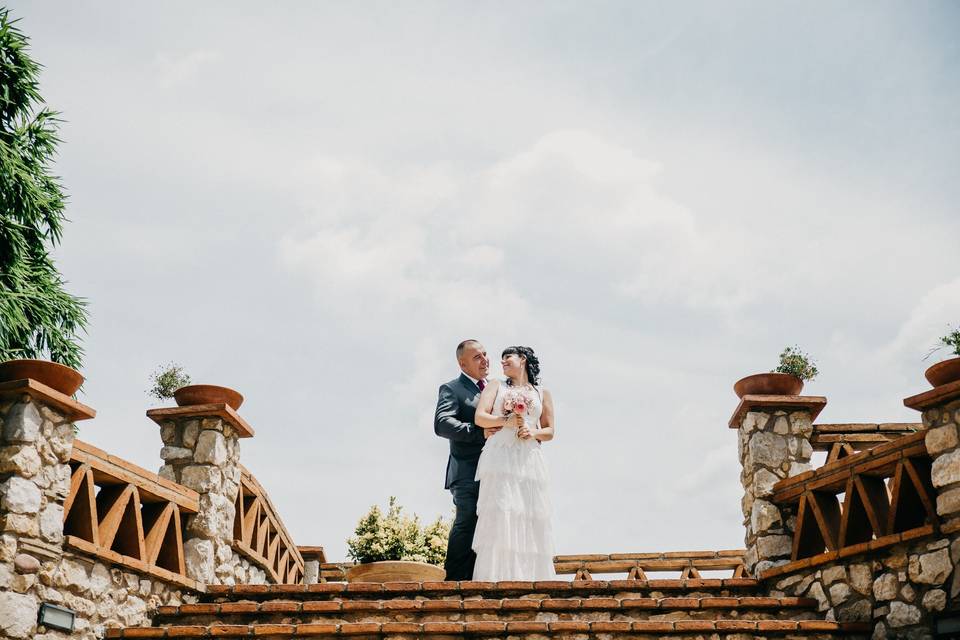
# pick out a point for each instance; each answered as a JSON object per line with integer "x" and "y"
{"x": 533, "y": 364}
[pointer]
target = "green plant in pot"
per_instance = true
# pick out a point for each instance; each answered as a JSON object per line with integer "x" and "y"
{"x": 171, "y": 381}
{"x": 394, "y": 547}
{"x": 166, "y": 380}
{"x": 948, "y": 370}
{"x": 795, "y": 368}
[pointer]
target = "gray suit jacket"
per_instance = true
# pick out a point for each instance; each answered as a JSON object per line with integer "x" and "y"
{"x": 456, "y": 408}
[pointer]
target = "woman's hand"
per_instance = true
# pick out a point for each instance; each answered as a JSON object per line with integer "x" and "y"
{"x": 524, "y": 433}
{"x": 514, "y": 420}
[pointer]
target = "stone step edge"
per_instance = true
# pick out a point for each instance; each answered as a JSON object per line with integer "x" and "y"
{"x": 505, "y": 604}
{"x": 487, "y": 628}
{"x": 266, "y": 590}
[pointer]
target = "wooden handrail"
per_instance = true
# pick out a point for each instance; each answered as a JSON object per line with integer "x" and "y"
{"x": 259, "y": 533}
{"x": 846, "y": 439}
{"x": 635, "y": 565}
{"x": 887, "y": 493}
{"x": 126, "y": 515}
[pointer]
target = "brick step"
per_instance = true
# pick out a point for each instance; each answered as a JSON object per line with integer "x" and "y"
{"x": 485, "y": 609}
{"x": 561, "y": 630}
{"x": 562, "y": 588}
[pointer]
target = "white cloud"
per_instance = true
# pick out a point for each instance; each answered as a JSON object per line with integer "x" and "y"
{"x": 176, "y": 69}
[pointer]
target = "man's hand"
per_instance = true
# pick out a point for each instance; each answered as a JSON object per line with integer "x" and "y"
{"x": 489, "y": 432}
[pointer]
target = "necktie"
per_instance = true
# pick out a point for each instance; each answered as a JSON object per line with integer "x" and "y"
{"x": 481, "y": 383}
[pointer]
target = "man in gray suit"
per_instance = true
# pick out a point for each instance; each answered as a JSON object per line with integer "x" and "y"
{"x": 456, "y": 408}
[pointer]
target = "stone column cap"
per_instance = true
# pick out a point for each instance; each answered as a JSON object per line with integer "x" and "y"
{"x": 216, "y": 410}
{"x": 934, "y": 397}
{"x": 313, "y": 553}
{"x": 73, "y": 410}
{"x": 814, "y": 404}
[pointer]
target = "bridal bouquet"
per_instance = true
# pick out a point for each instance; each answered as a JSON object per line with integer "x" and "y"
{"x": 516, "y": 401}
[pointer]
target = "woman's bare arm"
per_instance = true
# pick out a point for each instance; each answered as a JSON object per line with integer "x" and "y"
{"x": 546, "y": 430}
{"x": 484, "y": 418}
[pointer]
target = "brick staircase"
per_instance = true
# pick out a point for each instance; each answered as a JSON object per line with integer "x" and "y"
{"x": 685, "y": 609}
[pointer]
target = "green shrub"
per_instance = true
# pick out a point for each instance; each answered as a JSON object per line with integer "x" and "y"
{"x": 950, "y": 341}
{"x": 395, "y": 536}
{"x": 797, "y": 363}
{"x": 166, "y": 380}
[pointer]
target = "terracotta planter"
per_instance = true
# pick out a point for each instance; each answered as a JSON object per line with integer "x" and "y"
{"x": 207, "y": 394}
{"x": 768, "y": 384}
{"x": 943, "y": 372}
{"x": 395, "y": 571}
{"x": 53, "y": 374}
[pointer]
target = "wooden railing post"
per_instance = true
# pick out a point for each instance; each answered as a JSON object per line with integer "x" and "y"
{"x": 774, "y": 443}
{"x": 36, "y": 439}
{"x": 201, "y": 450}
{"x": 941, "y": 416}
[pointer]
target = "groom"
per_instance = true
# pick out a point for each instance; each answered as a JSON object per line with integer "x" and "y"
{"x": 453, "y": 420}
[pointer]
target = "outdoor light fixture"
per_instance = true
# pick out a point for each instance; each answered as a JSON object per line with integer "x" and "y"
{"x": 56, "y": 617}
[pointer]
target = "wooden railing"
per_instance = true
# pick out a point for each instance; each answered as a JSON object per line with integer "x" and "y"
{"x": 887, "y": 498}
{"x": 260, "y": 536}
{"x": 689, "y": 564}
{"x": 126, "y": 515}
{"x": 842, "y": 440}
{"x": 635, "y": 565}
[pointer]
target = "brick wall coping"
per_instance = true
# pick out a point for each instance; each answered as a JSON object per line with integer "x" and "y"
{"x": 218, "y": 410}
{"x": 486, "y": 604}
{"x": 73, "y": 410}
{"x": 253, "y": 591}
{"x": 936, "y": 396}
{"x": 749, "y": 402}
{"x": 487, "y": 628}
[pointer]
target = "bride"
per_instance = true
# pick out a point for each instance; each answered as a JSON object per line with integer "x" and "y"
{"x": 514, "y": 536}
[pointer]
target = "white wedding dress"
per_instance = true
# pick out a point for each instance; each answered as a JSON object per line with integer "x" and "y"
{"x": 514, "y": 535}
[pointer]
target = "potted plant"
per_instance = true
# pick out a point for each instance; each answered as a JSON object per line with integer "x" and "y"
{"x": 395, "y": 548}
{"x": 948, "y": 370}
{"x": 171, "y": 381}
{"x": 786, "y": 380}
{"x": 53, "y": 374}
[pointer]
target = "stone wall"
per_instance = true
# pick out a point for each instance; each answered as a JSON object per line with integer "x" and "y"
{"x": 203, "y": 453}
{"x": 900, "y": 590}
{"x": 35, "y": 445}
{"x": 774, "y": 444}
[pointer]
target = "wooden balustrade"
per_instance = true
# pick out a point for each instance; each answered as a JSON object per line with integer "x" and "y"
{"x": 887, "y": 498}
{"x": 126, "y": 515}
{"x": 634, "y": 565}
{"x": 260, "y": 536}
{"x": 842, "y": 440}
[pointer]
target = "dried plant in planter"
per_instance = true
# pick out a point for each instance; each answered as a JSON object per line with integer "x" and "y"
{"x": 797, "y": 363}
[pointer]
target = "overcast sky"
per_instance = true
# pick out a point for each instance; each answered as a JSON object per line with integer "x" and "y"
{"x": 314, "y": 202}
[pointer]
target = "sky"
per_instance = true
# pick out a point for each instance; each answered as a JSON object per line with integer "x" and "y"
{"x": 313, "y": 203}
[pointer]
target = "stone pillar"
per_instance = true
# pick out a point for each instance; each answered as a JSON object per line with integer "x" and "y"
{"x": 774, "y": 443}
{"x": 201, "y": 450}
{"x": 313, "y": 557}
{"x": 36, "y": 440}
{"x": 941, "y": 416}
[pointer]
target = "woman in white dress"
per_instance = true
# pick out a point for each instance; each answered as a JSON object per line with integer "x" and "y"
{"x": 514, "y": 534}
